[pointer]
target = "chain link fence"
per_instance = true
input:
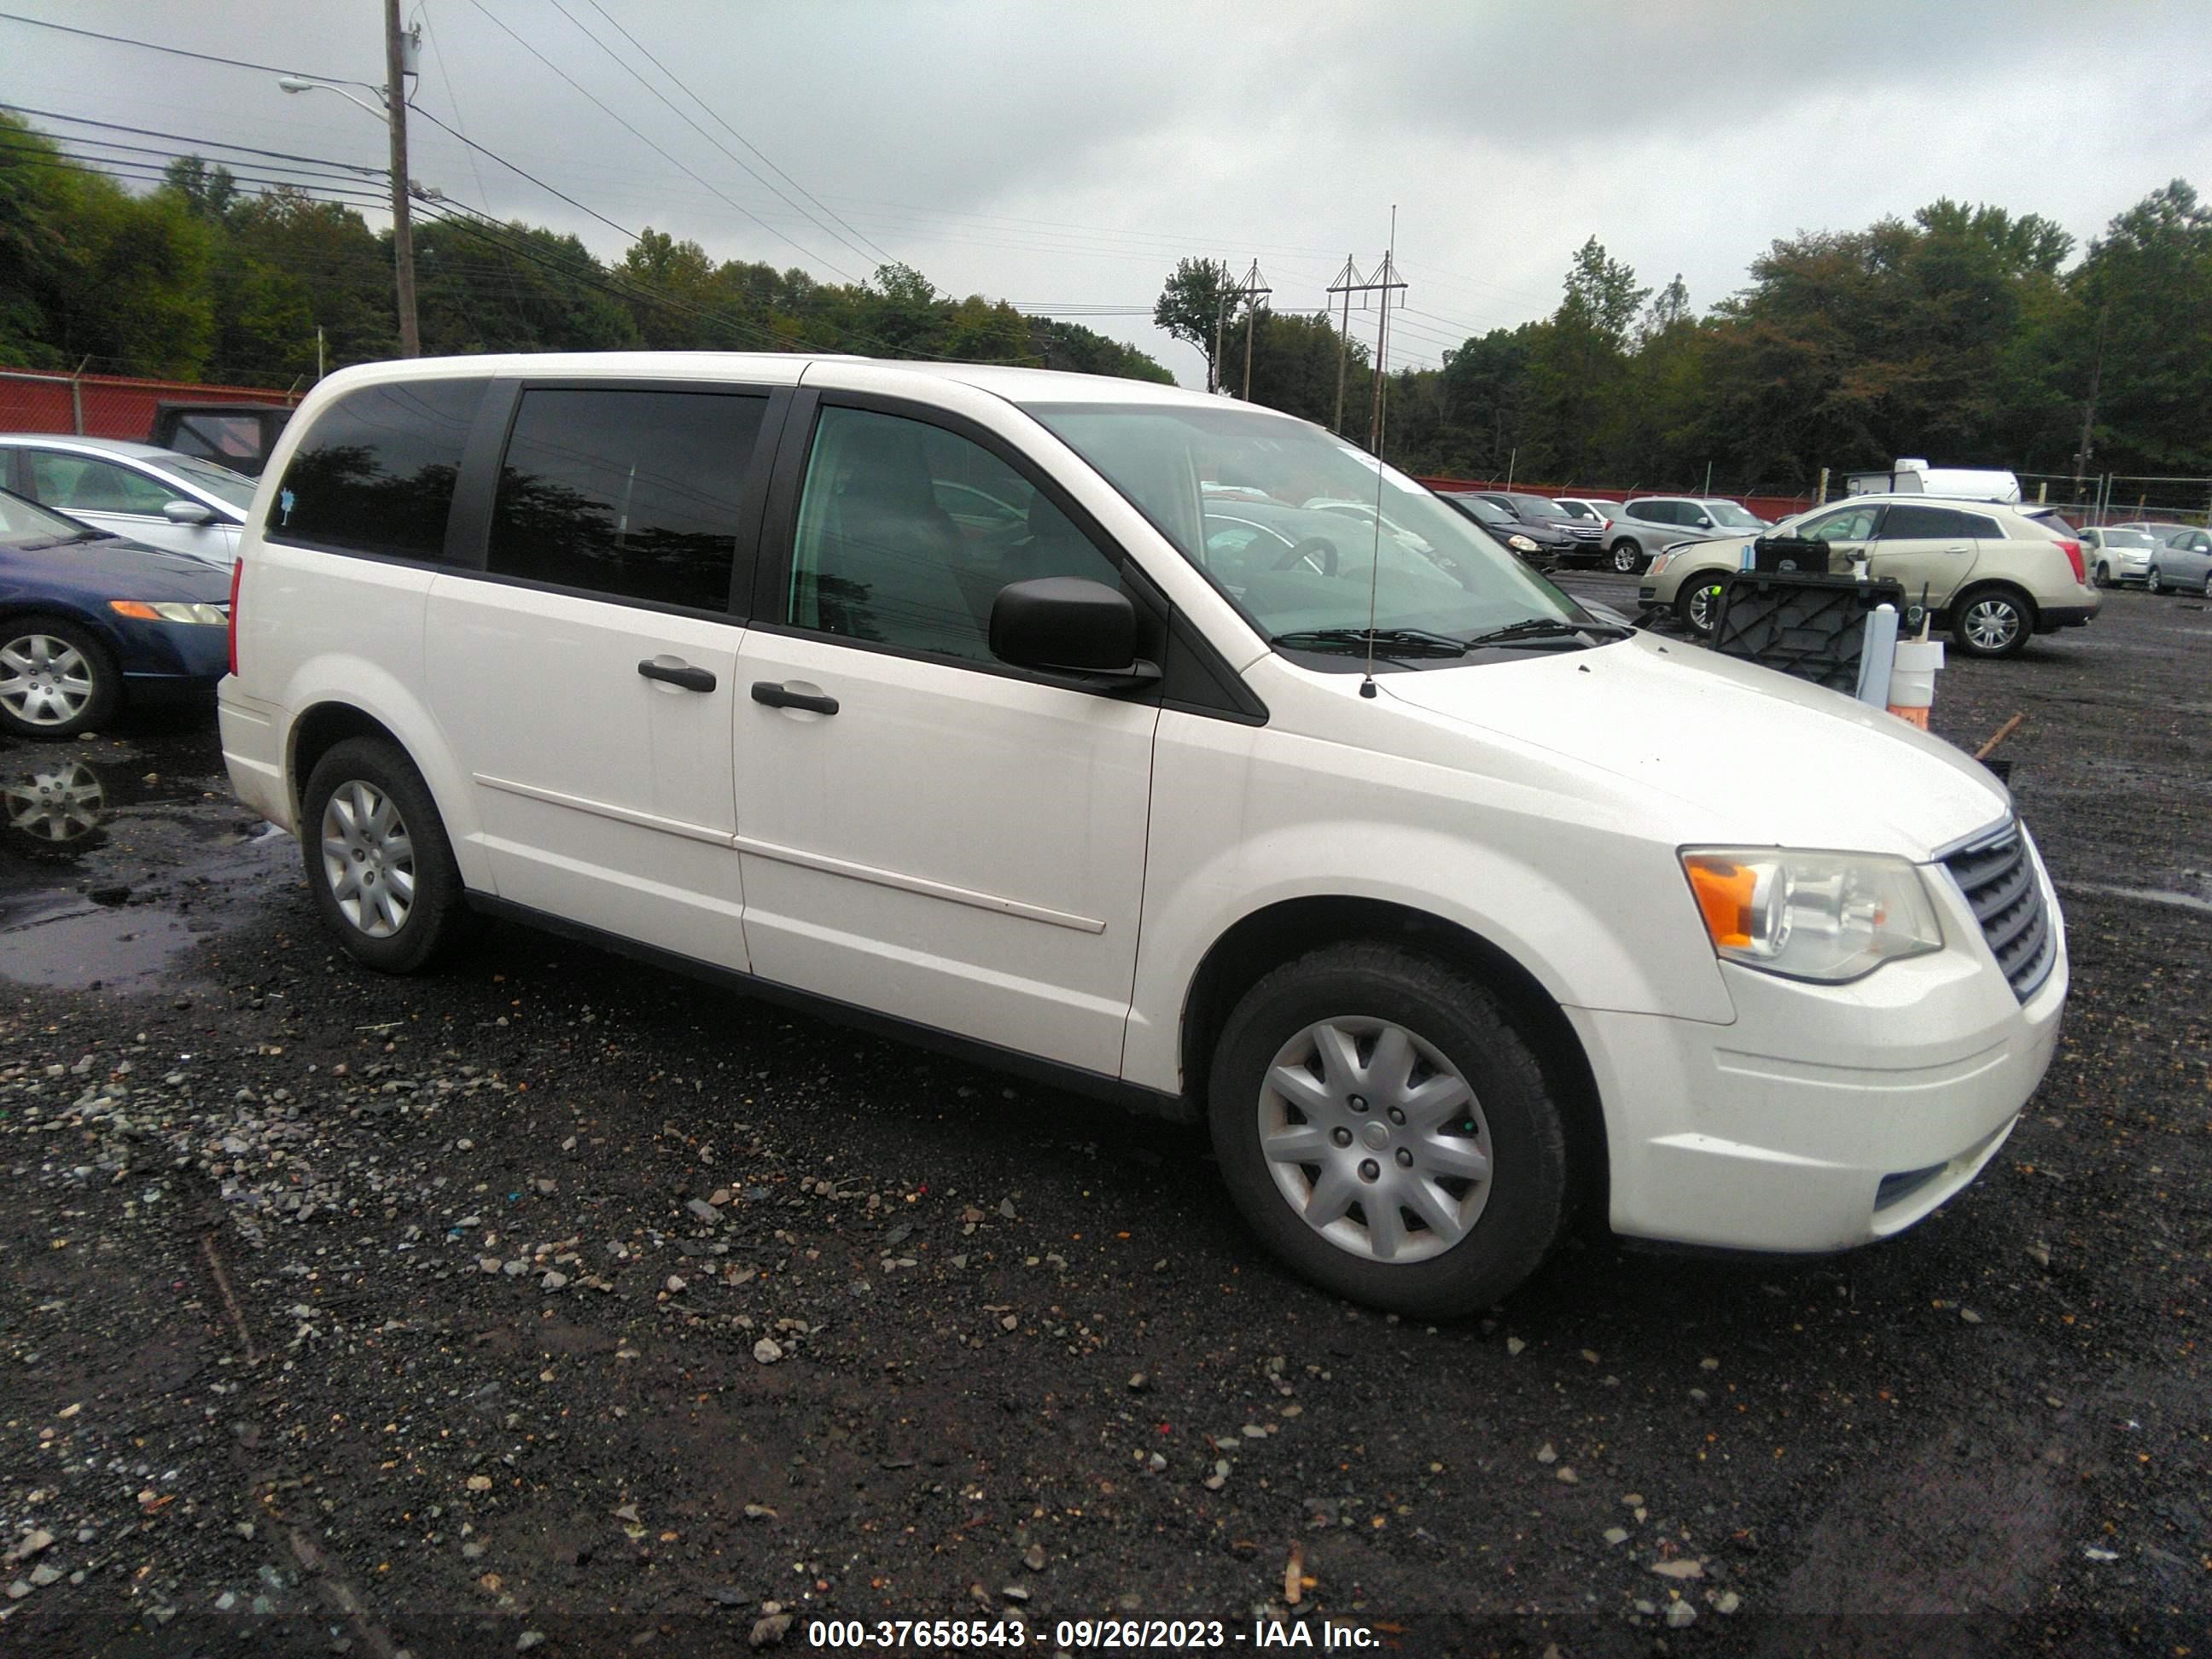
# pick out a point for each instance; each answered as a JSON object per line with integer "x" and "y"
{"x": 108, "y": 406}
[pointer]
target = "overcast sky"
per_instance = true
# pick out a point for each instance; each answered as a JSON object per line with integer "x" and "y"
{"x": 1064, "y": 155}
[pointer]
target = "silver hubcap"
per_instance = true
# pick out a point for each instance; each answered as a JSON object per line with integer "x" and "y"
{"x": 1374, "y": 1139}
{"x": 1702, "y": 601}
{"x": 368, "y": 859}
{"x": 2156, "y": 581}
{"x": 58, "y": 805}
{"x": 44, "y": 681}
{"x": 1991, "y": 625}
{"x": 1624, "y": 557}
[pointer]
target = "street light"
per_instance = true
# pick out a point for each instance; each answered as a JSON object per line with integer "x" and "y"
{"x": 399, "y": 49}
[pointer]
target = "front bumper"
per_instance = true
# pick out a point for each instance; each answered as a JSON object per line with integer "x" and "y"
{"x": 162, "y": 659}
{"x": 1825, "y": 1117}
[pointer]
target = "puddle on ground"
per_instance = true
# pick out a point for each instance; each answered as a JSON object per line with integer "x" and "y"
{"x": 2146, "y": 894}
{"x": 117, "y": 857}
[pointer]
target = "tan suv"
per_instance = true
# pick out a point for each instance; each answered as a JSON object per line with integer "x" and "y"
{"x": 1993, "y": 575}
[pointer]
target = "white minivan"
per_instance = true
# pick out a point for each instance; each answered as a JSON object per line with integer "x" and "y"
{"x": 922, "y": 696}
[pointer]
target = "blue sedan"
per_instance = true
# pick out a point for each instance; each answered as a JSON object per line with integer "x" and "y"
{"x": 88, "y": 620}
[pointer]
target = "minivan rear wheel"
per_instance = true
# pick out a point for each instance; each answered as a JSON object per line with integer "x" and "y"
{"x": 377, "y": 858}
{"x": 1385, "y": 1130}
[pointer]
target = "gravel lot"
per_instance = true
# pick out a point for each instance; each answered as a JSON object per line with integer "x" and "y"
{"x": 553, "y": 1302}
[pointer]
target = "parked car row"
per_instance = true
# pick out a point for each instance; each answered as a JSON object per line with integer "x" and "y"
{"x": 2164, "y": 557}
{"x": 183, "y": 503}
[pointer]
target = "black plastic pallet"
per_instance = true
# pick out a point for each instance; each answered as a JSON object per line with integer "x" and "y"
{"x": 1813, "y": 627}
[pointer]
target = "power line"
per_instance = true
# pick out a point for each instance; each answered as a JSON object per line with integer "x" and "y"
{"x": 656, "y": 149}
{"x": 174, "y": 52}
{"x": 693, "y": 124}
{"x": 518, "y": 173}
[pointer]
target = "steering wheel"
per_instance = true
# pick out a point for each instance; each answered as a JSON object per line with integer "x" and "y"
{"x": 1317, "y": 551}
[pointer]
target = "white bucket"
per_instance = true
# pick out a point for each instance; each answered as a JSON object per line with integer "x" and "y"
{"x": 1912, "y": 673}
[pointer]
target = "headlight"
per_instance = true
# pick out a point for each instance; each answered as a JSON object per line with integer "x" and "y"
{"x": 1657, "y": 564}
{"x": 1828, "y": 916}
{"x": 1521, "y": 543}
{"x": 211, "y": 615}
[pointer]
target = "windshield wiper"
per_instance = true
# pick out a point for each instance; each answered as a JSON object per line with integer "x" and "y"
{"x": 1541, "y": 627}
{"x": 1392, "y": 641}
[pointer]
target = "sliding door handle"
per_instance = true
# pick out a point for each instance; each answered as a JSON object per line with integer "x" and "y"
{"x": 780, "y": 696}
{"x": 691, "y": 679}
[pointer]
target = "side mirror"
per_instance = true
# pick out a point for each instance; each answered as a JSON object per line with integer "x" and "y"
{"x": 1070, "y": 628}
{"x": 188, "y": 513}
{"x": 1704, "y": 521}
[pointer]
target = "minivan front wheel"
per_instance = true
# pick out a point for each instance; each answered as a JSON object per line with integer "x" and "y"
{"x": 377, "y": 858}
{"x": 1992, "y": 621}
{"x": 1384, "y": 1129}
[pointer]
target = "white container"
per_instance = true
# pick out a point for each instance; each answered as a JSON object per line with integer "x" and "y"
{"x": 1912, "y": 674}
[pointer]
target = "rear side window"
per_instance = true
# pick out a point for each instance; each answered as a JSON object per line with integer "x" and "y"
{"x": 376, "y": 474}
{"x": 1921, "y": 524}
{"x": 633, "y": 494}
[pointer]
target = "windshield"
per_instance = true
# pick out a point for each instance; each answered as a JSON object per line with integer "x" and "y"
{"x": 2128, "y": 538}
{"x": 1536, "y": 507}
{"x": 1729, "y": 513}
{"x": 219, "y": 482}
{"x": 1578, "y": 509}
{"x": 24, "y": 524}
{"x": 1295, "y": 570}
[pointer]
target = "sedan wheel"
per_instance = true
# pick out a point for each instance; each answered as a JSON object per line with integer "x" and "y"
{"x": 1374, "y": 1139}
{"x": 2208, "y": 584}
{"x": 55, "y": 679}
{"x": 2156, "y": 580}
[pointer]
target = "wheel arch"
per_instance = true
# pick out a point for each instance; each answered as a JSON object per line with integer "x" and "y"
{"x": 373, "y": 707}
{"x": 1267, "y": 938}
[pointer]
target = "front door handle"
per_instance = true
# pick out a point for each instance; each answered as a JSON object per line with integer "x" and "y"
{"x": 691, "y": 679}
{"x": 779, "y": 696}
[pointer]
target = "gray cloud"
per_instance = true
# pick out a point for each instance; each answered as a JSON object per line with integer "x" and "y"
{"x": 1069, "y": 154}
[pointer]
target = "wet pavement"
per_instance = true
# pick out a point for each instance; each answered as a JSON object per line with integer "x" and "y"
{"x": 549, "y": 1296}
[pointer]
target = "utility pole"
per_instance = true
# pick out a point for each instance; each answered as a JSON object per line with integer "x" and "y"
{"x": 1348, "y": 283}
{"x": 1213, "y": 363}
{"x": 1250, "y": 290}
{"x": 1386, "y": 281}
{"x": 2089, "y": 409}
{"x": 399, "y": 50}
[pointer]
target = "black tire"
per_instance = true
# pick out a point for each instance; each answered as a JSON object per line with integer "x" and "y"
{"x": 2104, "y": 574}
{"x": 2208, "y": 584}
{"x": 2155, "y": 581}
{"x": 1525, "y": 1198}
{"x": 435, "y": 902}
{"x": 57, "y": 679}
{"x": 1628, "y": 558}
{"x": 1975, "y": 621}
{"x": 1685, "y": 605}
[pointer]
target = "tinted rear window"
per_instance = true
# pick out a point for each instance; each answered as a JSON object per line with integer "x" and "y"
{"x": 634, "y": 495}
{"x": 1914, "y": 523}
{"x": 376, "y": 473}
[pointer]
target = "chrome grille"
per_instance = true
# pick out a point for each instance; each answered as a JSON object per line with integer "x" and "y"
{"x": 1998, "y": 878}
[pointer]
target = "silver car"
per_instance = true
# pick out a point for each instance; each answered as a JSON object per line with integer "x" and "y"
{"x": 179, "y": 502}
{"x": 2182, "y": 560}
{"x": 1647, "y": 525}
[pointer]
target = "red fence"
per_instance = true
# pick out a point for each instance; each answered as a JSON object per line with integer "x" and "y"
{"x": 106, "y": 406}
{"x": 1773, "y": 508}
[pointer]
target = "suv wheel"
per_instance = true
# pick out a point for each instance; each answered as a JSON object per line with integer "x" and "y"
{"x": 1628, "y": 558}
{"x": 1385, "y": 1130}
{"x": 1698, "y": 605}
{"x": 1992, "y": 621}
{"x": 377, "y": 856}
{"x": 56, "y": 679}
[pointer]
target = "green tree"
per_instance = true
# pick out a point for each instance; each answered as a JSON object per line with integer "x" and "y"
{"x": 1194, "y": 305}
{"x": 2146, "y": 293}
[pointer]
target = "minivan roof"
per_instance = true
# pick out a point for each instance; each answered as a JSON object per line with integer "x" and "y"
{"x": 1016, "y": 386}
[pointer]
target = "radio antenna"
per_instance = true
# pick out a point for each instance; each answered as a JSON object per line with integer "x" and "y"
{"x": 1386, "y": 279}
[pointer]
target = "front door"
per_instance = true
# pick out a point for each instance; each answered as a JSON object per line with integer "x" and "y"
{"x": 587, "y": 677}
{"x": 924, "y": 832}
